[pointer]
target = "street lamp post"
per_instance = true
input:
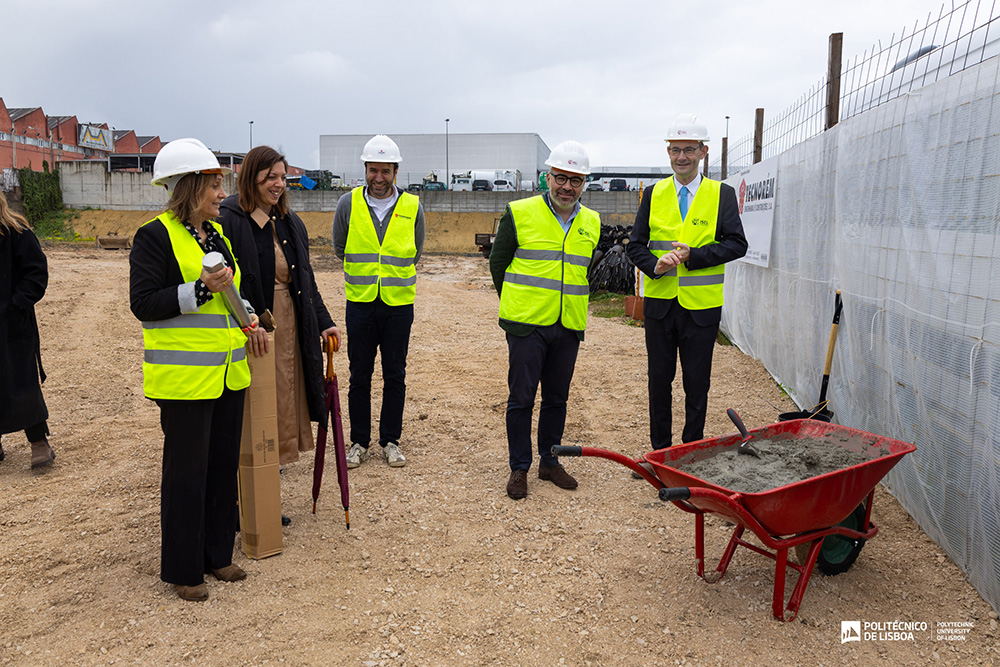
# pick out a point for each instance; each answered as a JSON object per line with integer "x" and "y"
{"x": 251, "y": 134}
{"x": 447, "y": 166}
{"x": 725, "y": 152}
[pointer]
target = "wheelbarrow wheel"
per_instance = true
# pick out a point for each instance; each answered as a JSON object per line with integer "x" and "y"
{"x": 838, "y": 552}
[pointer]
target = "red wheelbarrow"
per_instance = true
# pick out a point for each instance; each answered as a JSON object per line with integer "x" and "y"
{"x": 825, "y": 518}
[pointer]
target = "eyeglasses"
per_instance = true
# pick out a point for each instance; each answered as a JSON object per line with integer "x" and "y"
{"x": 561, "y": 179}
{"x": 688, "y": 151}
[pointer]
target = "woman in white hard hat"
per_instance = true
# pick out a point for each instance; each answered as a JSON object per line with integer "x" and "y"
{"x": 194, "y": 367}
{"x": 272, "y": 249}
{"x": 23, "y": 279}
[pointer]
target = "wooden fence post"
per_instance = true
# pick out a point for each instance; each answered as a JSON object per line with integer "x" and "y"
{"x": 833, "y": 79}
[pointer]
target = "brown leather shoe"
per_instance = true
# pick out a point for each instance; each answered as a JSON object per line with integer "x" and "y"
{"x": 41, "y": 454}
{"x": 517, "y": 485}
{"x": 557, "y": 475}
{"x": 197, "y": 593}
{"x": 230, "y": 573}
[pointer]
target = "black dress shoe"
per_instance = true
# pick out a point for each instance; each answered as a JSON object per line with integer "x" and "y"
{"x": 285, "y": 521}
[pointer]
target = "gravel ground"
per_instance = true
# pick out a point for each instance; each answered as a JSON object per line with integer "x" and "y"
{"x": 439, "y": 566}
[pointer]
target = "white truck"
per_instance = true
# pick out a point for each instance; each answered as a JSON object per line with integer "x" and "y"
{"x": 495, "y": 180}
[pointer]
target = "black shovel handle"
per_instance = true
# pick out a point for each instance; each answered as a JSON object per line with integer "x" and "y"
{"x": 735, "y": 418}
{"x": 566, "y": 450}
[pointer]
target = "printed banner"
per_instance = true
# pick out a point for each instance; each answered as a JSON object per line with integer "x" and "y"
{"x": 755, "y": 189}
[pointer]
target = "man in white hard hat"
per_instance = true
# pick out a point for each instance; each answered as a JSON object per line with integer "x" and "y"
{"x": 378, "y": 230}
{"x": 539, "y": 264}
{"x": 687, "y": 227}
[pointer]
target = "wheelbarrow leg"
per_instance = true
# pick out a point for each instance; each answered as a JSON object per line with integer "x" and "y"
{"x": 789, "y": 612}
{"x": 699, "y": 550}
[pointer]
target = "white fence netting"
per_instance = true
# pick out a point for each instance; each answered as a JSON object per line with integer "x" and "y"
{"x": 899, "y": 208}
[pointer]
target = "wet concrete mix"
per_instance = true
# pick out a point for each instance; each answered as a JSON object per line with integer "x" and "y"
{"x": 782, "y": 461}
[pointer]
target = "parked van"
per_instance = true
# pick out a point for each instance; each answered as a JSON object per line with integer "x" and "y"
{"x": 461, "y": 184}
{"x": 500, "y": 185}
{"x": 481, "y": 184}
{"x": 617, "y": 184}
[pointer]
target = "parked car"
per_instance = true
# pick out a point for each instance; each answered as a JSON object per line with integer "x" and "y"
{"x": 481, "y": 184}
{"x": 500, "y": 185}
{"x": 435, "y": 185}
{"x": 594, "y": 186}
{"x": 617, "y": 184}
{"x": 414, "y": 187}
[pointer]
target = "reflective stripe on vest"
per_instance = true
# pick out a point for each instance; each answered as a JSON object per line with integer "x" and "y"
{"x": 546, "y": 281}
{"x": 386, "y": 270}
{"x": 694, "y": 290}
{"x": 192, "y": 356}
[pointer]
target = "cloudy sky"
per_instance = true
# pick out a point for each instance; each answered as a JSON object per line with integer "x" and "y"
{"x": 609, "y": 74}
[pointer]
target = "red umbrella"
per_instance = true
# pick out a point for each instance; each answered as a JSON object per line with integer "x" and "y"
{"x": 332, "y": 413}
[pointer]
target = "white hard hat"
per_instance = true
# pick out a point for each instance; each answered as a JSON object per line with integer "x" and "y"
{"x": 381, "y": 148}
{"x": 181, "y": 157}
{"x": 570, "y": 156}
{"x": 687, "y": 127}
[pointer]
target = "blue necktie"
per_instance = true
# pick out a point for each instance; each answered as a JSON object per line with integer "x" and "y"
{"x": 684, "y": 202}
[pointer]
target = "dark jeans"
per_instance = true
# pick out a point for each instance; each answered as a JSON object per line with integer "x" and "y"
{"x": 548, "y": 355}
{"x": 201, "y": 454}
{"x": 372, "y": 327}
{"x": 665, "y": 337}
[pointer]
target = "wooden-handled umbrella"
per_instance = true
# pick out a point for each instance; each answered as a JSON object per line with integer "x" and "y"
{"x": 332, "y": 413}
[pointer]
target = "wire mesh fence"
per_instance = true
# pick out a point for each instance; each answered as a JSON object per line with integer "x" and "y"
{"x": 962, "y": 34}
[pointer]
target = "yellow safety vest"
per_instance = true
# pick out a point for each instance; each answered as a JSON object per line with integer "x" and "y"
{"x": 385, "y": 270}
{"x": 191, "y": 356}
{"x": 546, "y": 281}
{"x": 694, "y": 290}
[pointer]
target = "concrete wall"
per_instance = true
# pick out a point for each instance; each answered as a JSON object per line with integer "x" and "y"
{"x": 121, "y": 201}
{"x": 605, "y": 203}
{"x": 89, "y": 185}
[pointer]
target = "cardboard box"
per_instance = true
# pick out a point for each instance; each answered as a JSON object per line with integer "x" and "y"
{"x": 260, "y": 511}
{"x": 259, "y": 481}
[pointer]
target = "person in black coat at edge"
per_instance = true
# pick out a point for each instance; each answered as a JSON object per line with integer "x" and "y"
{"x": 23, "y": 277}
{"x": 258, "y": 222}
{"x": 686, "y": 229}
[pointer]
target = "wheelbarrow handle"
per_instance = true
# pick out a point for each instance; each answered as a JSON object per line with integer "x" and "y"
{"x": 676, "y": 493}
{"x": 566, "y": 450}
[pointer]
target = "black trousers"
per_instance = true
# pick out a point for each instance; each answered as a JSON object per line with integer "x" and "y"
{"x": 677, "y": 333}
{"x": 546, "y": 355}
{"x": 198, "y": 494}
{"x": 35, "y": 432}
{"x": 374, "y": 327}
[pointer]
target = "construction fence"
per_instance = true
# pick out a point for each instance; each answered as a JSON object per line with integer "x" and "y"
{"x": 898, "y": 207}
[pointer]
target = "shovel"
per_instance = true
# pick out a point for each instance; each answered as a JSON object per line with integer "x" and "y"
{"x": 744, "y": 447}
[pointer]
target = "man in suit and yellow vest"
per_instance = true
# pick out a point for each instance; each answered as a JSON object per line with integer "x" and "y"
{"x": 539, "y": 264}
{"x": 378, "y": 230}
{"x": 686, "y": 229}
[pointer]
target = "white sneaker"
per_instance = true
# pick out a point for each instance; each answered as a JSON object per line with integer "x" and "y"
{"x": 394, "y": 456}
{"x": 356, "y": 454}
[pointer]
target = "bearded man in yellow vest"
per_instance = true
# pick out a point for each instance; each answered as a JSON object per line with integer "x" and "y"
{"x": 686, "y": 229}
{"x": 539, "y": 264}
{"x": 378, "y": 230}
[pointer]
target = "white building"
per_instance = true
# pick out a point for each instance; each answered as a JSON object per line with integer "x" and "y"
{"x": 424, "y": 154}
